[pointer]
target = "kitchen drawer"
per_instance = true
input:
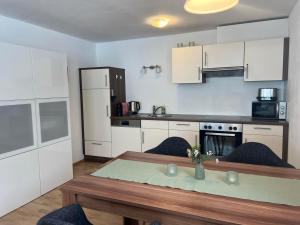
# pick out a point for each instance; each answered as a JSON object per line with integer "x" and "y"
{"x": 180, "y": 125}
{"x": 97, "y": 148}
{"x": 155, "y": 124}
{"x": 263, "y": 130}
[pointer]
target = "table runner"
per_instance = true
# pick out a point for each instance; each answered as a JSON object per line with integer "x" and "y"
{"x": 251, "y": 187}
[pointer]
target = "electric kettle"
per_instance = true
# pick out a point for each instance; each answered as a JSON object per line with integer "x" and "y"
{"x": 134, "y": 107}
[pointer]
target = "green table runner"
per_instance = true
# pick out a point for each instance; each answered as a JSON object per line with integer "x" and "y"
{"x": 252, "y": 187}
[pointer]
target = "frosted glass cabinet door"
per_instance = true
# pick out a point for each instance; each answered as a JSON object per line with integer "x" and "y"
{"x": 50, "y": 74}
{"x": 17, "y": 127}
{"x": 16, "y": 72}
{"x": 53, "y": 120}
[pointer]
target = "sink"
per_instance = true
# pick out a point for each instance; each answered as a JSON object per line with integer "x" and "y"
{"x": 159, "y": 115}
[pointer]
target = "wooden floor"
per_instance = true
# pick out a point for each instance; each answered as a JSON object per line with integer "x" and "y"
{"x": 33, "y": 211}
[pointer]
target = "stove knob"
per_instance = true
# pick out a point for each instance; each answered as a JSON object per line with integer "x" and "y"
{"x": 235, "y": 128}
{"x": 230, "y": 128}
{"x": 209, "y": 127}
{"x": 220, "y": 127}
{"x": 205, "y": 127}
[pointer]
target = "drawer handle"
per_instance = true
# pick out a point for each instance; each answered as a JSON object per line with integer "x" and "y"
{"x": 262, "y": 128}
{"x": 183, "y": 124}
{"x": 96, "y": 143}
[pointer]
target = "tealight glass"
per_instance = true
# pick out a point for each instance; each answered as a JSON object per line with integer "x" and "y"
{"x": 171, "y": 170}
{"x": 232, "y": 177}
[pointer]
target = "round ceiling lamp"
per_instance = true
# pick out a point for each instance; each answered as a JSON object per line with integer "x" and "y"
{"x": 209, "y": 6}
{"x": 158, "y": 21}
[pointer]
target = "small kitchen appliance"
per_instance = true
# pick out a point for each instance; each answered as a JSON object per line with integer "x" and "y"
{"x": 122, "y": 109}
{"x": 273, "y": 110}
{"x": 134, "y": 107}
{"x": 267, "y": 94}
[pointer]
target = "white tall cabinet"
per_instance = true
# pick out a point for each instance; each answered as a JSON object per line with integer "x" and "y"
{"x": 35, "y": 140}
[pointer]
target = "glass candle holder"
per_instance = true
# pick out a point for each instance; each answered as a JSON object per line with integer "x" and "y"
{"x": 232, "y": 177}
{"x": 171, "y": 170}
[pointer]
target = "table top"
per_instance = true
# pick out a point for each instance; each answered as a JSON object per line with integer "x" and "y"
{"x": 211, "y": 208}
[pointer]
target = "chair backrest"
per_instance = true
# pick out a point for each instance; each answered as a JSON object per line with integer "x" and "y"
{"x": 175, "y": 146}
{"x": 69, "y": 215}
{"x": 255, "y": 153}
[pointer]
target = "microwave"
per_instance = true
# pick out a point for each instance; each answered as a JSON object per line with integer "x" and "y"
{"x": 269, "y": 110}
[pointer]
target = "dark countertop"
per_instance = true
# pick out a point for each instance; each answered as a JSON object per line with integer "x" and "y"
{"x": 204, "y": 118}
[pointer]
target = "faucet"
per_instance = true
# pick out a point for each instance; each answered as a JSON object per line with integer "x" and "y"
{"x": 155, "y": 109}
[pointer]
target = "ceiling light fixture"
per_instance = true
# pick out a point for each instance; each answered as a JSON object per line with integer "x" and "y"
{"x": 209, "y": 6}
{"x": 158, "y": 21}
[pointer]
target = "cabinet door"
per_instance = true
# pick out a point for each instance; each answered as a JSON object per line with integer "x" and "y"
{"x": 264, "y": 60}
{"x": 273, "y": 142}
{"x": 53, "y": 120}
{"x": 20, "y": 181}
{"x": 125, "y": 139}
{"x": 95, "y": 78}
{"x": 55, "y": 165}
{"x": 96, "y": 114}
{"x": 50, "y": 74}
{"x": 18, "y": 127}
{"x": 16, "y": 73}
{"x": 223, "y": 55}
{"x": 98, "y": 148}
{"x": 151, "y": 138}
{"x": 187, "y": 65}
{"x": 192, "y": 137}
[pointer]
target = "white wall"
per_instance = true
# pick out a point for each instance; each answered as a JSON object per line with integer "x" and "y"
{"x": 80, "y": 53}
{"x": 293, "y": 87}
{"x": 221, "y": 96}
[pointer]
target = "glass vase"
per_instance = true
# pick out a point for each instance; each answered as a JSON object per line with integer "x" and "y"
{"x": 199, "y": 171}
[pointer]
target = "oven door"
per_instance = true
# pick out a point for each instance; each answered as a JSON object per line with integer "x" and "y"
{"x": 219, "y": 143}
{"x": 265, "y": 110}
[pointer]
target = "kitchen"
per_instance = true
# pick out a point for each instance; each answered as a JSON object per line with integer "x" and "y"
{"x": 86, "y": 95}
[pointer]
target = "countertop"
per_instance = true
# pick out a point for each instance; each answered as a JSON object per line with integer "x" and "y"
{"x": 204, "y": 118}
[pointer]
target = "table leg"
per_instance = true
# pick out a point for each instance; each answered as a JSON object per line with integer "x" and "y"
{"x": 68, "y": 198}
{"x": 129, "y": 221}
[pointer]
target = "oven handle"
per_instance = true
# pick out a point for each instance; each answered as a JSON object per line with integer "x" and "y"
{"x": 220, "y": 134}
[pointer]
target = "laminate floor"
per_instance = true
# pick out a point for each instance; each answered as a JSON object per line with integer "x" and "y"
{"x": 30, "y": 213}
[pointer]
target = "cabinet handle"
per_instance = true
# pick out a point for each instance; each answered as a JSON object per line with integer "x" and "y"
{"x": 105, "y": 80}
{"x": 183, "y": 124}
{"x": 247, "y": 71}
{"x": 143, "y": 137}
{"x": 262, "y": 128}
{"x": 245, "y": 141}
{"x": 205, "y": 58}
{"x": 112, "y": 92}
{"x": 107, "y": 111}
{"x": 96, "y": 143}
{"x": 199, "y": 73}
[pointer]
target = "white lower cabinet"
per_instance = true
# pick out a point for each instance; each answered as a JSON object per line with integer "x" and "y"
{"x": 151, "y": 138}
{"x": 192, "y": 137}
{"x": 20, "y": 182}
{"x": 269, "y": 135}
{"x": 98, "y": 148}
{"x": 125, "y": 139}
{"x": 55, "y": 165}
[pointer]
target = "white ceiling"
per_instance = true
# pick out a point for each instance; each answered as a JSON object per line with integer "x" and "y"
{"x": 109, "y": 20}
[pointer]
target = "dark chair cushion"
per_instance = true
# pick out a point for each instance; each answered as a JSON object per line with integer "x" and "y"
{"x": 69, "y": 215}
{"x": 175, "y": 146}
{"x": 255, "y": 153}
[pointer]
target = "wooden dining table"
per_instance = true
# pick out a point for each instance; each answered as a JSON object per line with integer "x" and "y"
{"x": 144, "y": 202}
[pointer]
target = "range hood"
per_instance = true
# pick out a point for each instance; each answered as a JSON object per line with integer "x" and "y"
{"x": 223, "y": 69}
{"x": 224, "y": 72}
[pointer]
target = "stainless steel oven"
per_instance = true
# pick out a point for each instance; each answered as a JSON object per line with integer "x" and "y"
{"x": 220, "y": 139}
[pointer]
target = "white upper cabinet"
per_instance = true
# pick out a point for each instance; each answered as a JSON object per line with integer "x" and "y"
{"x": 264, "y": 60}
{"x": 95, "y": 78}
{"x": 50, "y": 74}
{"x": 187, "y": 65}
{"x": 223, "y": 55}
{"x": 16, "y": 72}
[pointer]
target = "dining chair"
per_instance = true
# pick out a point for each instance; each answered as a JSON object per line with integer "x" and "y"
{"x": 174, "y": 146}
{"x": 257, "y": 154}
{"x": 69, "y": 215}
